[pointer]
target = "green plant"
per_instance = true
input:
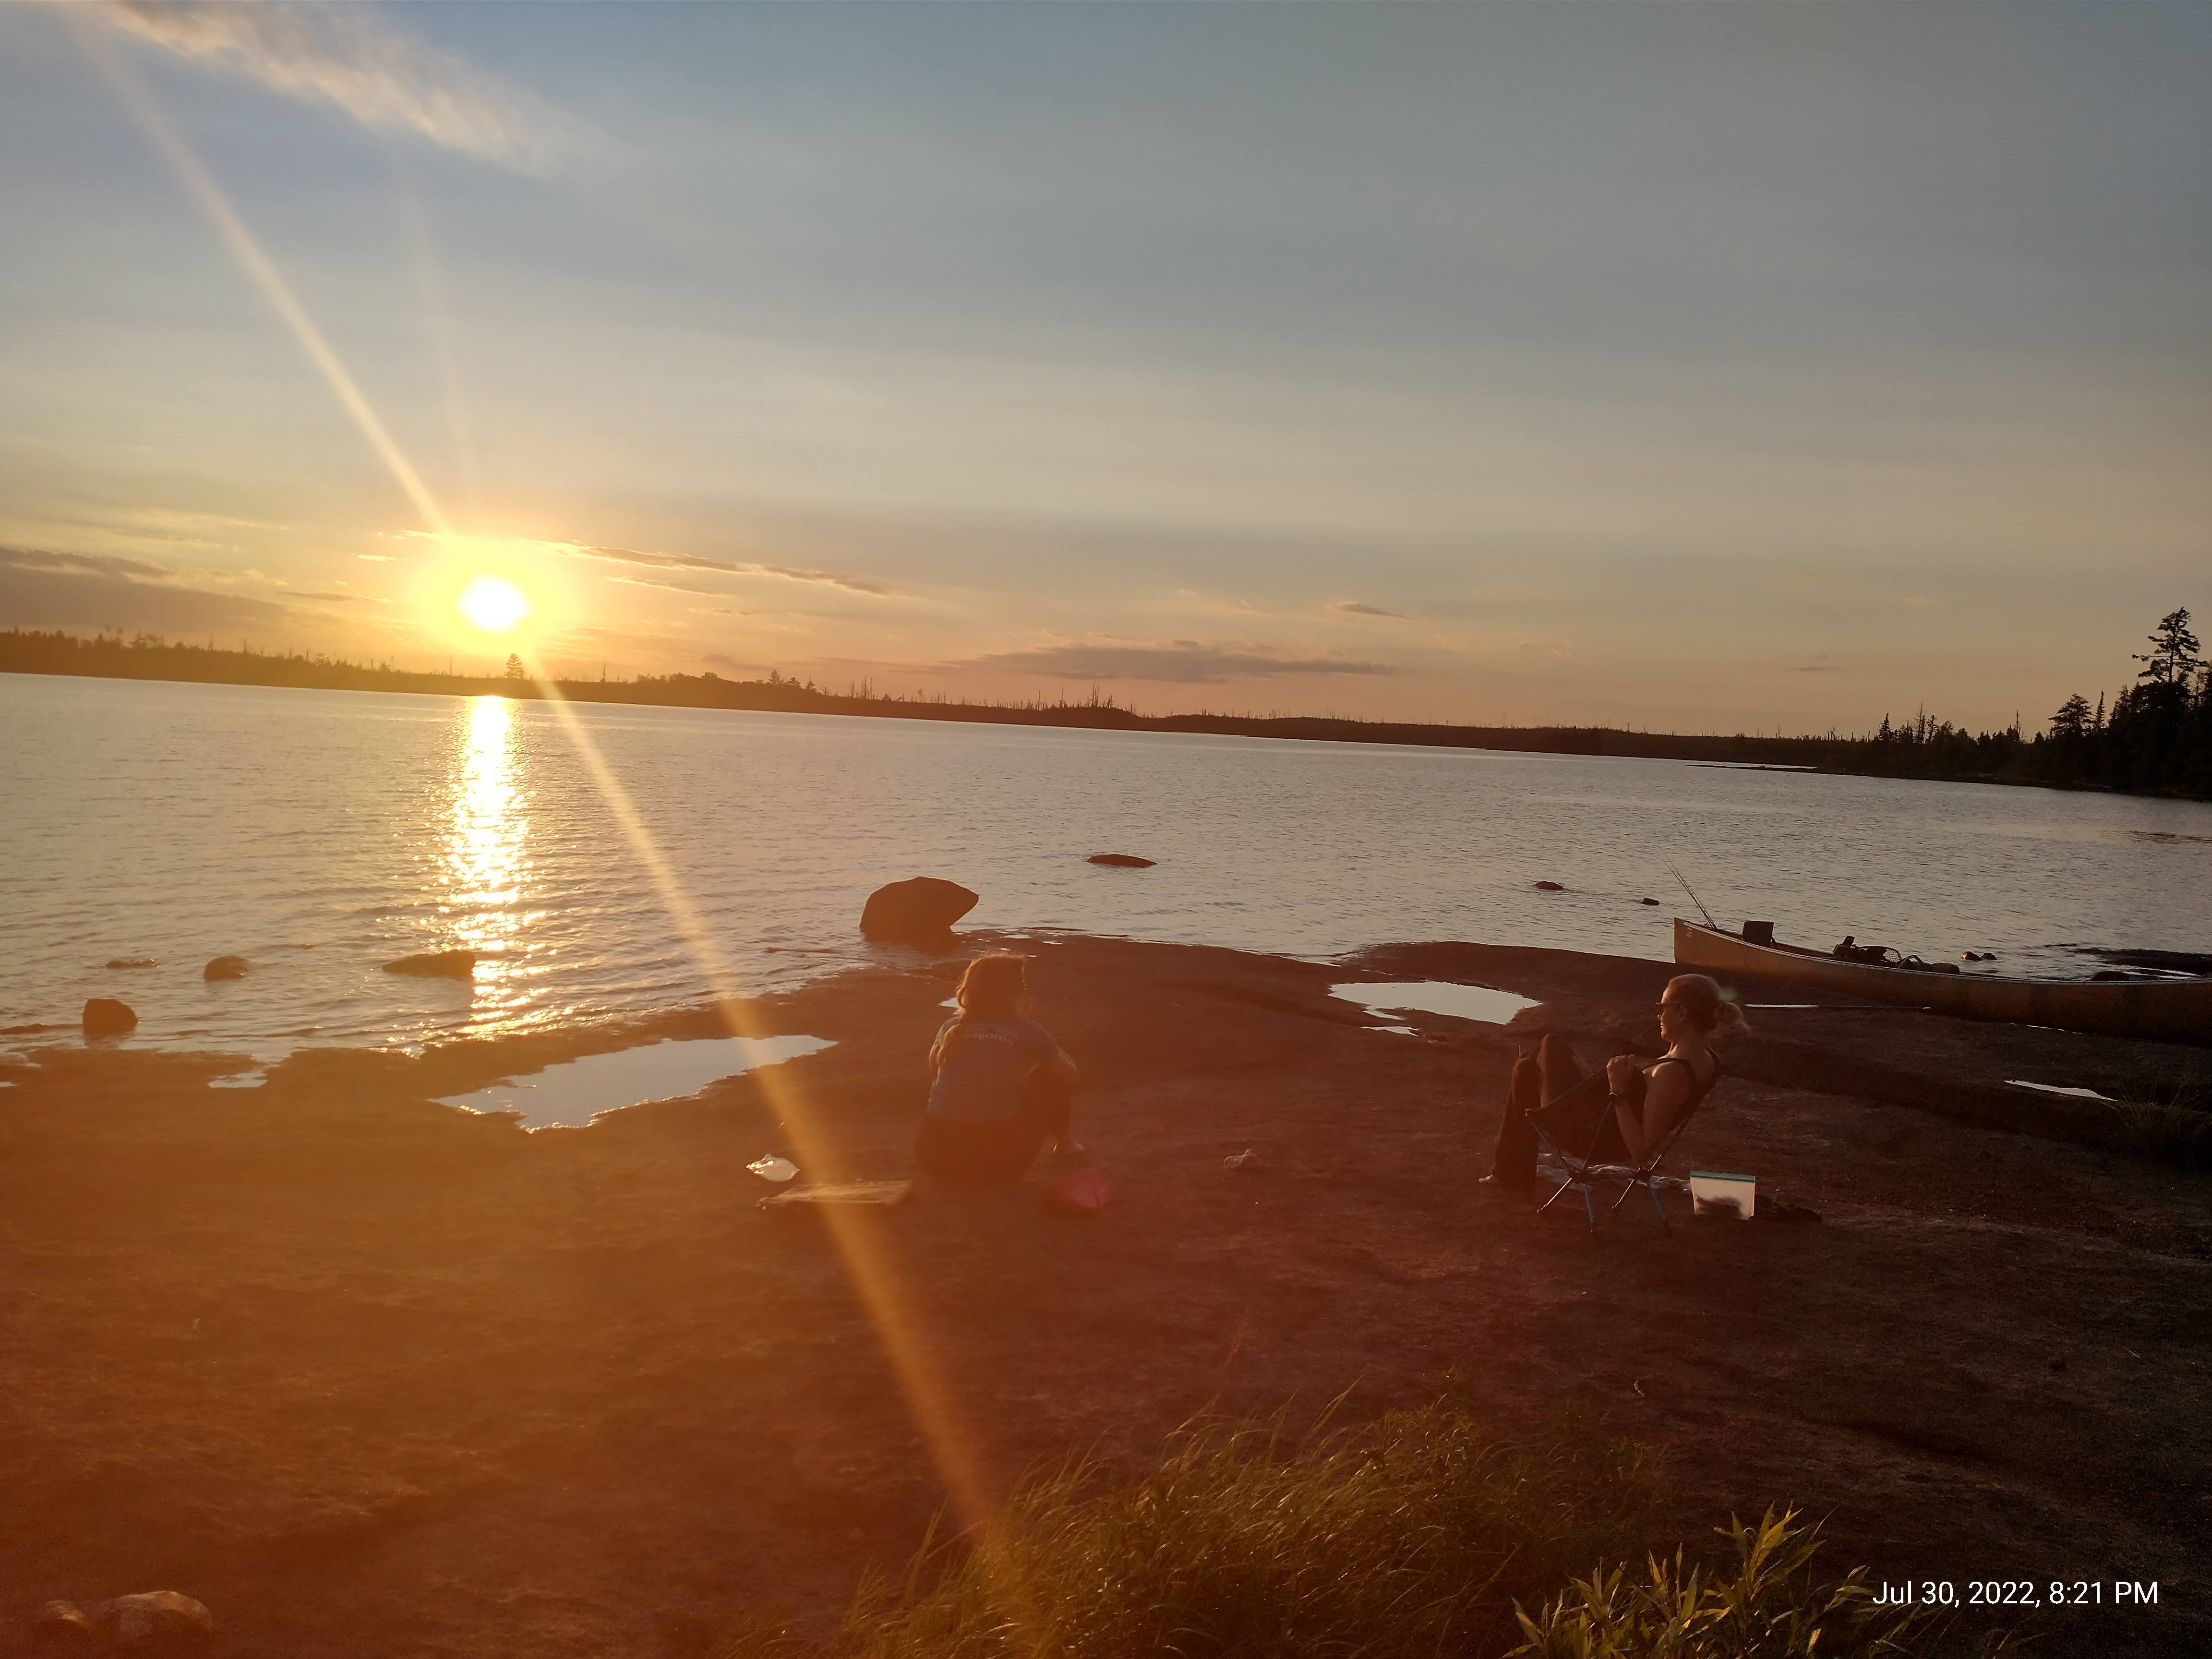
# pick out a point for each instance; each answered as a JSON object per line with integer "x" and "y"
{"x": 1770, "y": 1606}
{"x": 1414, "y": 1536}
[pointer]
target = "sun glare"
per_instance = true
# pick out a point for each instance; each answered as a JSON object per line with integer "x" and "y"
{"x": 494, "y": 604}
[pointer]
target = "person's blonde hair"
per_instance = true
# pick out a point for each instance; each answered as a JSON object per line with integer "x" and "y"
{"x": 991, "y": 988}
{"x": 1710, "y": 1009}
{"x": 992, "y": 985}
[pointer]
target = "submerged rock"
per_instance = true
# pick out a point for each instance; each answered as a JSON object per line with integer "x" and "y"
{"x": 1122, "y": 860}
{"x": 105, "y": 1016}
{"x": 436, "y": 965}
{"x": 1549, "y": 887}
{"x": 224, "y": 967}
{"x": 1654, "y": 903}
{"x": 921, "y": 911}
{"x": 158, "y": 1621}
{"x": 62, "y": 1625}
{"x": 132, "y": 962}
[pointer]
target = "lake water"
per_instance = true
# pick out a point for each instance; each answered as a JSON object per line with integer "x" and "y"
{"x": 319, "y": 834}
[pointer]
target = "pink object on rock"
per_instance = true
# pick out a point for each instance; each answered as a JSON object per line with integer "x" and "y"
{"x": 1084, "y": 1192}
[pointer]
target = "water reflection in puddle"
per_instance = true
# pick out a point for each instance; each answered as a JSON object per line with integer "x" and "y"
{"x": 573, "y": 1092}
{"x": 1434, "y": 996}
{"x": 2058, "y": 1089}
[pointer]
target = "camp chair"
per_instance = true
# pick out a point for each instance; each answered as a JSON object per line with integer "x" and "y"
{"x": 1576, "y": 1150}
{"x": 1572, "y": 1144}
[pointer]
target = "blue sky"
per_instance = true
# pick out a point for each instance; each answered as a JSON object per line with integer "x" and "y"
{"x": 1695, "y": 367}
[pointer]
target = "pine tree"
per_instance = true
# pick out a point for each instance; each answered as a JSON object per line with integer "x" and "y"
{"x": 2172, "y": 658}
{"x": 2073, "y": 718}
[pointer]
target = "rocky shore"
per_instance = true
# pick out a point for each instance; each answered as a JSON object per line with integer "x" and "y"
{"x": 366, "y": 1374}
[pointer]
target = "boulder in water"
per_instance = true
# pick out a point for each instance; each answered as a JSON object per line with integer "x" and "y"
{"x": 103, "y": 1016}
{"x": 1549, "y": 887}
{"x": 158, "y": 1621}
{"x": 224, "y": 967}
{"x": 132, "y": 962}
{"x": 63, "y": 1627}
{"x": 1653, "y": 902}
{"x": 436, "y": 965}
{"x": 919, "y": 911}
{"x": 1122, "y": 860}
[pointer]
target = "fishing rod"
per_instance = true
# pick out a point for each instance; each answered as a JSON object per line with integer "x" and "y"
{"x": 1693, "y": 892}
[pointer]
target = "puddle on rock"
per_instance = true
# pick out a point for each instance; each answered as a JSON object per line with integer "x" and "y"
{"x": 2057, "y": 1089}
{"x": 570, "y": 1095}
{"x": 1433, "y": 996}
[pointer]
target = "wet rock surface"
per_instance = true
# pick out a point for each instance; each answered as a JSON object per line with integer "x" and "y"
{"x": 484, "y": 1392}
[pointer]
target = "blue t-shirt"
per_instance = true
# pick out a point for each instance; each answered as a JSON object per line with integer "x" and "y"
{"x": 985, "y": 1063}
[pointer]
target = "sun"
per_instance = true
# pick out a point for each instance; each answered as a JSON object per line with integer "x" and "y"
{"x": 494, "y": 604}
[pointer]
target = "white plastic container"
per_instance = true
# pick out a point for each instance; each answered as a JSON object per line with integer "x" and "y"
{"x": 1714, "y": 1193}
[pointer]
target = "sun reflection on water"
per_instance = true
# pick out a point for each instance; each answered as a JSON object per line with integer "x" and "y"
{"x": 487, "y": 857}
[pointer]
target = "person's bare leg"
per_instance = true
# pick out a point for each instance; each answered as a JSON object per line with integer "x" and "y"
{"x": 1513, "y": 1163}
{"x": 1562, "y": 1066}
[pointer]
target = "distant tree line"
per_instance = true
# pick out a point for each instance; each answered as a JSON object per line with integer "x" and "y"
{"x": 2155, "y": 738}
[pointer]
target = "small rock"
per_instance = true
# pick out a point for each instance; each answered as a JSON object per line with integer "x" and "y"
{"x": 1549, "y": 887}
{"x": 921, "y": 911}
{"x": 160, "y": 1621}
{"x": 132, "y": 962}
{"x": 63, "y": 1625}
{"x": 436, "y": 965}
{"x": 1654, "y": 903}
{"x": 224, "y": 967}
{"x": 1120, "y": 860}
{"x": 103, "y": 1016}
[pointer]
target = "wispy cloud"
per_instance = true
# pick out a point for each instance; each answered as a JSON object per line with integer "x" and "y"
{"x": 348, "y": 59}
{"x": 1356, "y": 608}
{"x": 728, "y": 567}
{"x": 1184, "y": 662}
{"x": 40, "y": 589}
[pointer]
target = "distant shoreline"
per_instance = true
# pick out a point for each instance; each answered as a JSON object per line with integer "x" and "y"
{"x": 114, "y": 657}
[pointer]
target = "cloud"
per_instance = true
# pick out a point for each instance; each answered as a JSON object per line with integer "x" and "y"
{"x": 1355, "y": 608}
{"x": 347, "y": 57}
{"x": 40, "y": 589}
{"x": 1184, "y": 662}
{"x": 694, "y": 561}
{"x": 670, "y": 582}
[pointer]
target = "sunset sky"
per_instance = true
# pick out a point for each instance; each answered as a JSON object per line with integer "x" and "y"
{"x": 1703, "y": 368}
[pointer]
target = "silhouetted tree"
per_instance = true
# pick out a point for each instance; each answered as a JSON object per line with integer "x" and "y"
{"x": 2171, "y": 659}
{"x": 515, "y": 670}
{"x": 2073, "y": 718}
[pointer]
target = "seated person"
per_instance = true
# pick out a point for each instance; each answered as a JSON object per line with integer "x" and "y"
{"x": 999, "y": 1084}
{"x": 1640, "y": 1105}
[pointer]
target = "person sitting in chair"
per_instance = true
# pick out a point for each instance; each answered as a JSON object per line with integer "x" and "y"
{"x": 1642, "y": 1105}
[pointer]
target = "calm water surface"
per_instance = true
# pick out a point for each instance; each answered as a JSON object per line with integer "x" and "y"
{"x": 320, "y": 834}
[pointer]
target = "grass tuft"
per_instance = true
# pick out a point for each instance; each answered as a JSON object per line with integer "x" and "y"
{"x": 1417, "y": 1536}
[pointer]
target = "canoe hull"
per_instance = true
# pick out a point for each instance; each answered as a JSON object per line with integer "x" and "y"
{"x": 2168, "y": 1011}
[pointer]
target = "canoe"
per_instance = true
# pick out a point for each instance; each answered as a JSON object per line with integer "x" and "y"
{"x": 2170, "y": 1009}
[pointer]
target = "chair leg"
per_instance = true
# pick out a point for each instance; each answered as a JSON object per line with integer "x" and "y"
{"x": 1652, "y": 1187}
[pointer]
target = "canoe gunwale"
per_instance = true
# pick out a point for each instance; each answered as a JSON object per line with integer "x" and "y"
{"x": 2173, "y": 1010}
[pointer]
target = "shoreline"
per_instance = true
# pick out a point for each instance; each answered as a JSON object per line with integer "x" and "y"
{"x": 362, "y": 1372}
{"x": 1817, "y": 755}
